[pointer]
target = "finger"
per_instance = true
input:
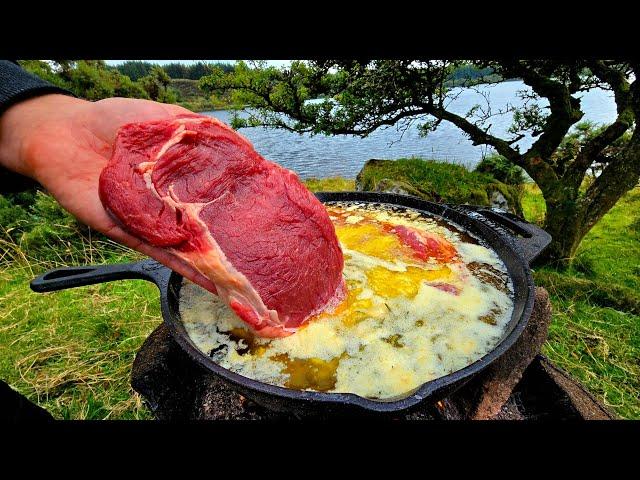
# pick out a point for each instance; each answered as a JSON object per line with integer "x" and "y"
{"x": 106, "y": 116}
{"x": 175, "y": 109}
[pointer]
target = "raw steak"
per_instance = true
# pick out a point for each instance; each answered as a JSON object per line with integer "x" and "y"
{"x": 195, "y": 187}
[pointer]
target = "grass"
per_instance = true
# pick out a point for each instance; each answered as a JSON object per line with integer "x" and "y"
{"x": 595, "y": 334}
{"x": 333, "y": 184}
{"x": 533, "y": 205}
{"x": 71, "y": 351}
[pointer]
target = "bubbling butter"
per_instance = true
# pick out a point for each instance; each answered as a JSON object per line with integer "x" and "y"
{"x": 404, "y": 321}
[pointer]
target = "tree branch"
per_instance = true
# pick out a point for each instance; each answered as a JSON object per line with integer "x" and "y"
{"x": 477, "y": 135}
{"x": 565, "y": 111}
{"x": 590, "y": 150}
{"x": 543, "y": 85}
{"x": 616, "y": 79}
{"x": 621, "y": 173}
{"x": 619, "y": 176}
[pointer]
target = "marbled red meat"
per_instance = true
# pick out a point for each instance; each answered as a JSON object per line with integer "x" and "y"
{"x": 198, "y": 189}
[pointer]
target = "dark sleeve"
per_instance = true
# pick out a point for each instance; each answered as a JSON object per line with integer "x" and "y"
{"x": 16, "y": 85}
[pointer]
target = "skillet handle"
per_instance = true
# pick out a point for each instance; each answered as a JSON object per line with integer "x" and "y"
{"x": 62, "y": 278}
{"x": 531, "y": 239}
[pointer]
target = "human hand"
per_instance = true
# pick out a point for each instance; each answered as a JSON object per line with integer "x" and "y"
{"x": 64, "y": 143}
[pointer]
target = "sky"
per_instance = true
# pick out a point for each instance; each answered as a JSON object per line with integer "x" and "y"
{"x": 275, "y": 63}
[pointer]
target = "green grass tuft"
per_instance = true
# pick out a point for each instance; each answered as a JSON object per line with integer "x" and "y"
{"x": 600, "y": 347}
{"x": 438, "y": 181}
{"x": 594, "y": 292}
{"x": 533, "y": 205}
{"x": 333, "y": 184}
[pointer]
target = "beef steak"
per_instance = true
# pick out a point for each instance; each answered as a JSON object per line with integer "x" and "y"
{"x": 195, "y": 187}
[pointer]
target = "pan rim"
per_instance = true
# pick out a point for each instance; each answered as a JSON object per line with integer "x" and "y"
{"x": 426, "y": 390}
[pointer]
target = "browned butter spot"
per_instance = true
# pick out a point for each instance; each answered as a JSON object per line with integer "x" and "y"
{"x": 313, "y": 373}
{"x": 394, "y": 340}
{"x": 490, "y": 318}
{"x": 250, "y": 341}
{"x": 488, "y": 274}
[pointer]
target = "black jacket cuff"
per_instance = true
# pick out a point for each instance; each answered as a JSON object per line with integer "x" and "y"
{"x": 16, "y": 85}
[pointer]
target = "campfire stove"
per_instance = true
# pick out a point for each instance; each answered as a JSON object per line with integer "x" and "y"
{"x": 521, "y": 385}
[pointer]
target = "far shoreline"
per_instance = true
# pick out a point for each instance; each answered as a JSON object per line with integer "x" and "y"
{"x": 237, "y": 107}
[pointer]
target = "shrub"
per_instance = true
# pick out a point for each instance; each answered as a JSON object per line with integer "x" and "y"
{"x": 501, "y": 169}
{"x": 35, "y": 223}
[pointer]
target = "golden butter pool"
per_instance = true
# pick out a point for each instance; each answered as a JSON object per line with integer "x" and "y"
{"x": 424, "y": 300}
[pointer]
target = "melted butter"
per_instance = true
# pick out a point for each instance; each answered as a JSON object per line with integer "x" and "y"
{"x": 388, "y": 283}
{"x": 309, "y": 373}
{"x": 403, "y": 322}
{"x": 352, "y": 309}
{"x": 369, "y": 239}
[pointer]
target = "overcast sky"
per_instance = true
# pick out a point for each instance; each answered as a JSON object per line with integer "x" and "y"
{"x": 277, "y": 63}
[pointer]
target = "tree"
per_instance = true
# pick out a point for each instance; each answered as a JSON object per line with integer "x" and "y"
{"x": 156, "y": 83}
{"x": 90, "y": 79}
{"x": 44, "y": 70}
{"x": 123, "y": 86}
{"x": 135, "y": 69}
{"x": 198, "y": 70}
{"x": 362, "y": 96}
{"x": 176, "y": 70}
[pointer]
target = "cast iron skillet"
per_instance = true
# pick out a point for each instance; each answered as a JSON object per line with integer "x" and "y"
{"x": 516, "y": 242}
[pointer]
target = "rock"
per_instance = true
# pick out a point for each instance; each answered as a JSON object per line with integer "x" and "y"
{"x": 584, "y": 404}
{"x": 176, "y": 388}
{"x": 502, "y": 376}
{"x": 163, "y": 377}
{"x": 498, "y": 201}
{"x": 390, "y": 186}
{"x": 371, "y": 163}
{"x": 387, "y": 185}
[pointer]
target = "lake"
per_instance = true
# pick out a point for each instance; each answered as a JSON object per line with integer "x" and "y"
{"x": 344, "y": 155}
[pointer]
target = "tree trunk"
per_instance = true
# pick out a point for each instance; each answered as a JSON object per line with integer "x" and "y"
{"x": 565, "y": 223}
